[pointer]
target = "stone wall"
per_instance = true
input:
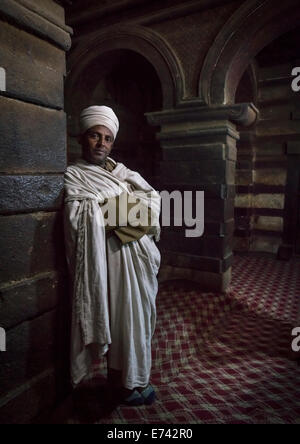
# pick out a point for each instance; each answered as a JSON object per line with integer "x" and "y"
{"x": 264, "y": 179}
{"x": 33, "y": 298}
{"x": 200, "y": 51}
{"x": 175, "y": 38}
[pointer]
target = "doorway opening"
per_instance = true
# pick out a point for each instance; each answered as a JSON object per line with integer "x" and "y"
{"x": 267, "y": 177}
{"x": 128, "y": 83}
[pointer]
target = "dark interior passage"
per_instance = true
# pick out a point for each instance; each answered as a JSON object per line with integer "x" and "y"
{"x": 127, "y": 82}
{"x": 267, "y": 176}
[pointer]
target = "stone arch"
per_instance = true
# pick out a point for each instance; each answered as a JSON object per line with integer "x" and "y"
{"x": 253, "y": 26}
{"x": 140, "y": 40}
{"x": 247, "y": 90}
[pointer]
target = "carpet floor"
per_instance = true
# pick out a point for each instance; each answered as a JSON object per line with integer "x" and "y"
{"x": 218, "y": 358}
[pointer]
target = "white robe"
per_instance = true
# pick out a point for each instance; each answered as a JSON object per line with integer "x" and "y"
{"x": 114, "y": 285}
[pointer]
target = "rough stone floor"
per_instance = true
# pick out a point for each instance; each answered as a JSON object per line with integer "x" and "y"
{"x": 223, "y": 358}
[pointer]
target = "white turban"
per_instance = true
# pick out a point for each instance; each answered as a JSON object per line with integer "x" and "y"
{"x": 99, "y": 115}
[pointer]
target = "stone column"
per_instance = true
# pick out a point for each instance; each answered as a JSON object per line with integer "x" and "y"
{"x": 199, "y": 153}
{"x": 33, "y": 42}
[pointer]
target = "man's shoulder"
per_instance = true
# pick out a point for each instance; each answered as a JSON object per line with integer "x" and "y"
{"x": 82, "y": 164}
{"x": 73, "y": 168}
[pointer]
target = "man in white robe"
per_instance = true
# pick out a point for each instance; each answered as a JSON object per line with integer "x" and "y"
{"x": 113, "y": 267}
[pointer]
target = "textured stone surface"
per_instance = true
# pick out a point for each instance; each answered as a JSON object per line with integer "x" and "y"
{"x": 275, "y": 92}
{"x": 268, "y": 141}
{"x": 243, "y": 201}
{"x": 33, "y": 299}
{"x": 36, "y": 23}
{"x": 212, "y": 282}
{"x": 218, "y": 210}
{"x": 268, "y": 201}
{"x": 35, "y": 69}
{"x": 30, "y": 350}
{"x": 270, "y": 148}
{"x": 30, "y": 193}
{"x": 244, "y": 177}
{"x": 265, "y": 243}
{"x": 241, "y": 244}
{"x": 275, "y": 112}
{"x": 34, "y": 138}
{"x": 219, "y": 229}
{"x": 217, "y": 191}
{"x": 275, "y": 73}
{"x": 293, "y": 148}
{"x": 270, "y": 177}
{"x": 194, "y": 172}
{"x": 30, "y": 244}
{"x": 203, "y": 152}
{"x": 268, "y": 223}
{"x": 278, "y": 128}
{"x": 47, "y": 8}
{"x": 210, "y": 246}
{"x": 29, "y": 298}
{"x": 37, "y": 395}
{"x": 203, "y": 28}
{"x": 210, "y": 264}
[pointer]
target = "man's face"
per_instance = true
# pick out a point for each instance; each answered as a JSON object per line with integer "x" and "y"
{"x": 97, "y": 144}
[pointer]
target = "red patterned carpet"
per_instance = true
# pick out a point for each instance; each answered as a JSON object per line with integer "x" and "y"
{"x": 224, "y": 358}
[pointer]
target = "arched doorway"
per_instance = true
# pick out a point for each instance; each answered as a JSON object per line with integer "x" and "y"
{"x": 267, "y": 179}
{"x": 127, "y": 82}
{"x": 251, "y": 28}
{"x": 265, "y": 38}
{"x": 246, "y": 93}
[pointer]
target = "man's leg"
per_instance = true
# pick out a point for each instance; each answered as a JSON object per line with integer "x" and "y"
{"x": 133, "y": 288}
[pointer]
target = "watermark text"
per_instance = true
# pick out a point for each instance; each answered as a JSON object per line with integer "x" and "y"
{"x": 296, "y": 341}
{"x": 2, "y": 79}
{"x": 296, "y": 80}
{"x": 143, "y": 209}
{"x": 2, "y": 340}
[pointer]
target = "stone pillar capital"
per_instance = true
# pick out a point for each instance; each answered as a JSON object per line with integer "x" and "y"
{"x": 187, "y": 112}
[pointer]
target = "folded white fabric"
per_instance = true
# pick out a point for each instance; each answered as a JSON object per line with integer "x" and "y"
{"x": 99, "y": 115}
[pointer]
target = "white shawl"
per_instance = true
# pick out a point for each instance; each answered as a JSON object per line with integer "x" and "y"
{"x": 87, "y": 186}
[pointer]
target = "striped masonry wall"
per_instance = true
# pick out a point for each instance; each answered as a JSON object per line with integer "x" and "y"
{"x": 262, "y": 164}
